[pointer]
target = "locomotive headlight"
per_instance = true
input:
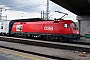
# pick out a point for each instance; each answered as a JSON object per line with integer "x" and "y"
{"x": 76, "y": 32}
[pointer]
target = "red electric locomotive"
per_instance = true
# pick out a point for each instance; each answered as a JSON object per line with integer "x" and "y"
{"x": 62, "y": 29}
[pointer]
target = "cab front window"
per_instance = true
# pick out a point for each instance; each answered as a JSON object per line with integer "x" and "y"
{"x": 74, "y": 26}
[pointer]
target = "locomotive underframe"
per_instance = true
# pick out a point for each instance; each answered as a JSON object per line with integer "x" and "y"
{"x": 47, "y": 36}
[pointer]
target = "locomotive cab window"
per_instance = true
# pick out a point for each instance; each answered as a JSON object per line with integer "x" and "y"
{"x": 66, "y": 25}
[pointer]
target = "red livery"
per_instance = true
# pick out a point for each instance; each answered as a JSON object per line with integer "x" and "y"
{"x": 62, "y": 29}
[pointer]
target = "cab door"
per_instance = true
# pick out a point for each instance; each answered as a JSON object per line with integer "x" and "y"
{"x": 67, "y": 29}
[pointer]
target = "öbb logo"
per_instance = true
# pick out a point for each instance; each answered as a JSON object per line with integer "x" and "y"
{"x": 48, "y": 28}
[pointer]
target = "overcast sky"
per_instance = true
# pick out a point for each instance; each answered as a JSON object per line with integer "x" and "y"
{"x": 32, "y": 9}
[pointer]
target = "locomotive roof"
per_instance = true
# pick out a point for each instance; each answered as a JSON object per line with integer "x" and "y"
{"x": 25, "y": 20}
{"x": 45, "y": 22}
{"x": 29, "y": 20}
{"x": 33, "y": 20}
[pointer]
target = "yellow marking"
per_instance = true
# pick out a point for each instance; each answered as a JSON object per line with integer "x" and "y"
{"x": 19, "y": 55}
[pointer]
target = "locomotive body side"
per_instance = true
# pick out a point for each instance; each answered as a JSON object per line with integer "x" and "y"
{"x": 45, "y": 29}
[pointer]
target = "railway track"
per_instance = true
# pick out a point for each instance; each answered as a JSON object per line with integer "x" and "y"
{"x": 80, "y": 41}
{"x": 49, "y": 49}
{"x": 56, "y": 45}
{"x": 57, "y": 54}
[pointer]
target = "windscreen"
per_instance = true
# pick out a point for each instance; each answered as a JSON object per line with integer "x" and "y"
{"x": 74, "y": 26}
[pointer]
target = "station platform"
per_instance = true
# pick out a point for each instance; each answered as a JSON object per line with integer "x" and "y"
{"x": 6, "y": 54}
